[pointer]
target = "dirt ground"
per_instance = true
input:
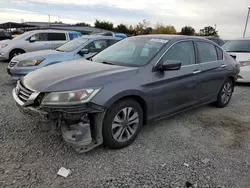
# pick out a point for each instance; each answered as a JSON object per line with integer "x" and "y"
{"x": 204, "y": 147}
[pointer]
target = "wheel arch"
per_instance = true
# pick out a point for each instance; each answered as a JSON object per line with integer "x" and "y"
{"x": 134, "y": 96}
{"x": 16, "y": 49}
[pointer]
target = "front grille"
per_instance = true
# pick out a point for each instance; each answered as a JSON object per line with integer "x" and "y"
{"x": 12, "y": 63}
{"x": 23, "y": 93}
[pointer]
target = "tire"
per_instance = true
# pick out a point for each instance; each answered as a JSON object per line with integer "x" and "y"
{"x": 225, "y": 94}
{"x": 16, "y": 52}
{"x": 120, "y": 131}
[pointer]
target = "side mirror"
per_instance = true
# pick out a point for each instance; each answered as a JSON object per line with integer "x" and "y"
{"x": 233, "y": 56}
{"x": 170, "y": 65}
{"x": 84, "y": 51}
{"x": 32, "y": 39}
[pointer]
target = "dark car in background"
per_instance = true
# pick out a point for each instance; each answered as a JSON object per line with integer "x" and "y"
{"x": 4, "y": 35}
{"x": 133, "y": 82}
{"x": 217, "y": 40}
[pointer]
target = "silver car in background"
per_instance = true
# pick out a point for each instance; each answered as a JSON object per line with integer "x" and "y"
{"x": 35, "y": 40}
{"x": 83, "y": 47}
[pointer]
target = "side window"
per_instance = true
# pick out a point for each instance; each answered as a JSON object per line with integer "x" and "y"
{"x": 219, "y": 53}
{"x": 111, "y": 42}
{"x": 73, "y": 36}
{"x": 183, "y": 52}
{"x": 207, "y": 52}
{"x": 97, "y": 46}
{"x": 56, "y": 36}
{"x": 41, "y": 36}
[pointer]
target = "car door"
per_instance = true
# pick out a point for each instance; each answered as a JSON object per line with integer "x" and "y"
{"x": 213, "y": 70}
{"x": 57, "y": 39}
{"x": 95, "y": 47}
{"x": 176, "y": 90}
{"x": 40, "y": 43}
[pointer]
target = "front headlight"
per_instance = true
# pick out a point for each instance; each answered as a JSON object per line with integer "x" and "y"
{"x": 28, "y": 63}
{"x": 70, "y": 97}
{"x": 3, "y": 45}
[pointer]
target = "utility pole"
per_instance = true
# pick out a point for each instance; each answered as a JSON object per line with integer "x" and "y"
{"x": 246, "y": 23}
{"x": 49, "y": 20}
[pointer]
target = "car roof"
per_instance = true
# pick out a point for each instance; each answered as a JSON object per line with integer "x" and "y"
{"x": 171, "y": 37}
{"x": 247, "y": 38}
{"x": 94, "y": 37}
{"x": 51, "y": 30}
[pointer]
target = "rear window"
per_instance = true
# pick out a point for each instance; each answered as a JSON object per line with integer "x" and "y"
{"x": 56, "y": 36}
{"x": 237, "y": 46}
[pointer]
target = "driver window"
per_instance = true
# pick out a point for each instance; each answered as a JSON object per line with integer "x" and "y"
{"x": 97, "y": 46}
{"x": 41, "y": 36}
{"x": 183, "y": 52}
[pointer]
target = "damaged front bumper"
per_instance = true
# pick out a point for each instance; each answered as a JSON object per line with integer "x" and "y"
{"x": 80, "y": 126}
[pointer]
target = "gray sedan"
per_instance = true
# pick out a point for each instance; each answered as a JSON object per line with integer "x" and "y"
{"x": 135, "y": 81}
{"x": 83, "y": 47}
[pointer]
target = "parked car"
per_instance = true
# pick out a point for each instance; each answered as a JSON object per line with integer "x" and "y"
{"x": 83, "y": 47}
{"x": 217, "y": 40}
{"x": 34, "y": 41}
{"x": 240, "y": 49}
{"x": 4, "y": 35}
{"x": 119, "y": 35}
{"x": 135, "y": 81}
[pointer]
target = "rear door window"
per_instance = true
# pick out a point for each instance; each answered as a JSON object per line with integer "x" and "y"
{"x": 207, "y": 52}
{"x": 56, "y": 36}
{"x": 183, "y": 52}
{"x": 73, "y": 35}
{"x": 41, "y": 36}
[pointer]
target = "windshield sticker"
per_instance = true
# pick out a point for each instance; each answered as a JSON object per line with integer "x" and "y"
{"x": 159, "y": 40}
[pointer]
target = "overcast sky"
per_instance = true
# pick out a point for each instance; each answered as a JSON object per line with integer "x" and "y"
{"x": 228, "y": 15}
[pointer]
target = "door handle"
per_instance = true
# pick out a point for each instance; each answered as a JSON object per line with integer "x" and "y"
{"x": 223, "y": 65}
{"x": 196, "y": 71}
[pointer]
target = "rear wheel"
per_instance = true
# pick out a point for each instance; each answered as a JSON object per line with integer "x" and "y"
{"x": 225, "y": 94}
{"x": 16, "y": 52}
{"x": 122, "y": 124}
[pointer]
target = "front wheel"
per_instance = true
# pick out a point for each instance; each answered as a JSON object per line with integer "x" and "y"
{"x": 122, "y": 124}
{"x": 16, "y": 52}
{"x": 225, "y": 94}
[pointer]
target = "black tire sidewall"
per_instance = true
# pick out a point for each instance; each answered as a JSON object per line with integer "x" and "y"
{"x": 13, "y": 52}
{"x": 220, "y": 103}
{"x": 108, "y": 139}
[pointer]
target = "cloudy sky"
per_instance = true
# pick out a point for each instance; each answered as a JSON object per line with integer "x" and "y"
{"x": 228, "y": 15}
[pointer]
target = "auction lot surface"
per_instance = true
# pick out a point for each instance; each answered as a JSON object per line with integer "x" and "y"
{"x": 214, "y": 143}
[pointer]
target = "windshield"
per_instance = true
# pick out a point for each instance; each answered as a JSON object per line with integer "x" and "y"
{"x": 72, "y": 45}
{"x": 24, "y": 35}
{"x": 134, "y": 51}
{"x": 237, "y": 46}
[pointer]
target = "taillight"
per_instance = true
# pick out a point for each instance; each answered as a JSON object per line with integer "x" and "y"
{"x": 245, "y": 63}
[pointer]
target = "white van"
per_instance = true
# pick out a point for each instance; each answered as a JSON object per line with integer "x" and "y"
{"x": 35, "y": 40}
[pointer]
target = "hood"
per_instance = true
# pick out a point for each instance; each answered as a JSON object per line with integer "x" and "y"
{"x": 6, "y": 41}
{"x": 37, "y": 54}
{"x": 241, "y": 56}
{"x": 73, "y": 75}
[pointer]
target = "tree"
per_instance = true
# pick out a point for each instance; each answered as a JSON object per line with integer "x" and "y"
{"x": 141, "y": 27}
{"x": 187, "y": 30}
{"x": 208, "y": 31}
{"x": 104, "y": 25}
{"x": 162, "y": 29}
{"x": 82, "y": 24}
{"x": 121, "y": 28}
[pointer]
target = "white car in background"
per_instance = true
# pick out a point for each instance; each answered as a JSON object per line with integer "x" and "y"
{"x": 240, "y": 48}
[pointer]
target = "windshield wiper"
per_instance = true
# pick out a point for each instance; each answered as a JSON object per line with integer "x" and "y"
{"x": 104, "y": 62}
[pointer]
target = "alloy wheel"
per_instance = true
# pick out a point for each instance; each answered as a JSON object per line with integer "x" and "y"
{"x": 226, "y": 92}
{"x": 125, "y": 124}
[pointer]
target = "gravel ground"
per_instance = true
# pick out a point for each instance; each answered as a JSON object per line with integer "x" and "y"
{"x": 214, "y": 143}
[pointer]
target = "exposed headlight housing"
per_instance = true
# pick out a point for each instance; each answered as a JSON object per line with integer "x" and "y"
{"x": 70, "y": 97}
{"x": 28, "y": 63}
{"x": 3, "y": 45}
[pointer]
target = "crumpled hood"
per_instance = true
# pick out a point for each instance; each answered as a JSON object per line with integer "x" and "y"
{"x": 74, "y": 75}
{"x": 37, "y": 54}
{"x": 241, "y": 56}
